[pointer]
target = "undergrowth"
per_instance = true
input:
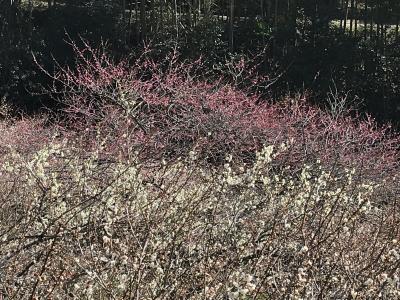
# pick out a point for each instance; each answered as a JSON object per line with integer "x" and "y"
{"x": 157, "y": 184}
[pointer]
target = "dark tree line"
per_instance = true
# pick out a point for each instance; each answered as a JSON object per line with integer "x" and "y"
{"x": 367, "y": 18}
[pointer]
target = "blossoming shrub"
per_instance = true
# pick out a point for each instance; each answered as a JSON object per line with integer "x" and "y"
{"x": 297, "y": 204}
{"x": 76, "y": 225}
{"x": 23, "y": 135}
{"x": 170, "y": 107}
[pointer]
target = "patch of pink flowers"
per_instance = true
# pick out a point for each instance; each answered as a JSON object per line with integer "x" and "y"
{"x": 169, "y": 107}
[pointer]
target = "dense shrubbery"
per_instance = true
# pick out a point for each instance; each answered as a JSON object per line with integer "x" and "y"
{"x": 158, "y": 184}
{"x": 171, "y": 108}
{"x": 78, "y": 226}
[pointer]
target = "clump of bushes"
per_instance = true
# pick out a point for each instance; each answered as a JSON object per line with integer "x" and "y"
{"x": 24, "y": 135}
{"x": 155, "y": 183}
{"x": 76, "y": 226}
{"x": 170, "y": 107}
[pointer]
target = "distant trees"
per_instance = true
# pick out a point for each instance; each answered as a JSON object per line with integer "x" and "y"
{"x": 370, "y": 18}
{"x": 367, "y": 18}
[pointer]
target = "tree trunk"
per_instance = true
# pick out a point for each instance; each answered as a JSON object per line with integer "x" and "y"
{"x": 199, "y": 7}
{"x": 371, "y": 27}
{"x": 137, "y": 26}
{"x": 262, "y": 9}
{"x": 365, "y": 18}
{"x": 207, "y": 9}
{"x": 162, "y": 13}
{"x": 129, "y": 25}
{"x": 346, "y": 16}
{"x": 142, "y": 19}
{"x": 341, "y": 15}
{"x": 378, "y": 34}
{"x": 397, "y": 12}
{"x": 189, "y": 13}
{"x": 123, "y": 16}
{"x": 153, "y": 24}
{"x": 175, "y": 15}
{"x": 275, "y": 28}
{"x": 314, "y": 22}
{"x": 294, "y": 22}
{"x": 231, "y": 23}
{"x": 351, "y": 16}
{"x": 355, "y": 18}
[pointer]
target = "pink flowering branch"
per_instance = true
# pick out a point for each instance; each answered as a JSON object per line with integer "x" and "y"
{"x": 168, "y": 107}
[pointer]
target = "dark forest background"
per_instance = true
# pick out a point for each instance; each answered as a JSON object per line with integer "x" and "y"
{"x": 331, "y": 49}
